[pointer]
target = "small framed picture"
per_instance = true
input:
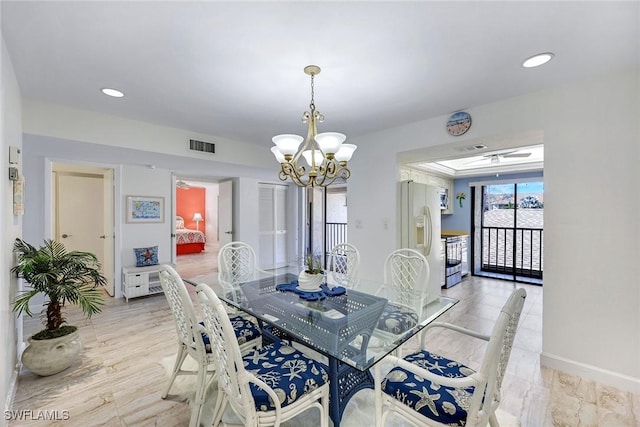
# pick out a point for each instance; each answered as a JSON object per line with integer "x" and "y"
{"x": 145, "y": 209}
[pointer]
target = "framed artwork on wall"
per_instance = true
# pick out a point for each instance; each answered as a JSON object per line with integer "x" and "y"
{"x": 145, "y": 209}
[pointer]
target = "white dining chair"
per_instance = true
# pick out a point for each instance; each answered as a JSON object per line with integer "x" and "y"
{"x": 268, "y": 386}
{"x": 194, "y": 342}
{"x": 406, "y": 274}
{"x": 344, "y": 262}
{"x": 428, "y": 389}
{"x": 237, "y": 263}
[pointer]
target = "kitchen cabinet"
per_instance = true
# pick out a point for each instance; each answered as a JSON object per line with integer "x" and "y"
{"x": 444, "y": 184}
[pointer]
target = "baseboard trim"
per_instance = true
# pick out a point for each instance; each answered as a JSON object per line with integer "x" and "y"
{"x": 603, "y": 376}
{"x": 11, "y": 393}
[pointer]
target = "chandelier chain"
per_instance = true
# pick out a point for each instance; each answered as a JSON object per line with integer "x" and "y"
{"x": 312, "y": 105}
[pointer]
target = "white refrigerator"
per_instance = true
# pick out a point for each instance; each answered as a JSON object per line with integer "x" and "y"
{"x": 420, "y": 228}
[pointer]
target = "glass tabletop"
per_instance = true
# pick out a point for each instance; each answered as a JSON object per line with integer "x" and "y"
{"x": 357, "y": 327}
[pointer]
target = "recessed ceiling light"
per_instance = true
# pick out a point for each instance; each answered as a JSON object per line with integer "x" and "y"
{"x": 537, "y": 60}
{"x": 112, "y": 92}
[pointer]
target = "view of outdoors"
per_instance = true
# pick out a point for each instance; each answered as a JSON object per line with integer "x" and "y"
{"x": 512, "y": 229}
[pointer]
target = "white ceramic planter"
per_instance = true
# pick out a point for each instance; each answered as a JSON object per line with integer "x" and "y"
{"x": 48, "y": 357}
{"x": 310, "y": 282}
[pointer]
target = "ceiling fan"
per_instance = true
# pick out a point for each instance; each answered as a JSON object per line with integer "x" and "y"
{"x": 495, "y": 158}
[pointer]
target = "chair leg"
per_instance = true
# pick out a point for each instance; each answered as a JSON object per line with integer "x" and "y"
{"x": 324, "y": 411}
{"x": 194, "y": 421}
{"x": 221, "y": 403}
{"x": 177, "y": 367}
{"x": 201, "y": 390}
{"x": 493, "y": 420}
{"x": 378, "y": 395}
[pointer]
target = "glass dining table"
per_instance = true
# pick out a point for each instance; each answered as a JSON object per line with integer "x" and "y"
{"x": 353, "y": 328}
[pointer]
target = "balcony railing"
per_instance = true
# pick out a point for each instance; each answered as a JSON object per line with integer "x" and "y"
{"x": 335, "y": 233}
{"x": 513, "y": 251}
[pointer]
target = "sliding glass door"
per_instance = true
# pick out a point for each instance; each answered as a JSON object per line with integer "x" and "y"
{"x": 511, "y": 234}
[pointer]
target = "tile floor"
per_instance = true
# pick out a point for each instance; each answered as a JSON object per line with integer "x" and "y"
{"x": 118, "y": 378}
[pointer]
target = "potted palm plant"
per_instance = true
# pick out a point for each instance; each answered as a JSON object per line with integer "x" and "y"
{"x": 311, "y": 277}
{"x": 63, "y": 277}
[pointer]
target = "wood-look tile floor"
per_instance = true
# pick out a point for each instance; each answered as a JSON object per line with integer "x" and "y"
{"x": 118, "y": 378}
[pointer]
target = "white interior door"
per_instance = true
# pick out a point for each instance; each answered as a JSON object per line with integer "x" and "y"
{"x": 280, "y": 252}
{"x": 266, "y": 220}
{"x": 80, "y": 217}
{"x": 108, "y": 235}
{"x": 272, "y": 252}
{"x": 225, "y": 212}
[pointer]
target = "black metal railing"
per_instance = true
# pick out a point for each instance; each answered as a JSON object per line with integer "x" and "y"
{"x": 335, "y": 233}
{"x": 514, "y": 251}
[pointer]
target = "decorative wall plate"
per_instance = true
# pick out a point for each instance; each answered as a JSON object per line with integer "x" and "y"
{"x": 459, "y": 123}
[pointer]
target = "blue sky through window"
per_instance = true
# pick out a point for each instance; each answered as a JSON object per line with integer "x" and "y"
{"x": 523, "y": 187}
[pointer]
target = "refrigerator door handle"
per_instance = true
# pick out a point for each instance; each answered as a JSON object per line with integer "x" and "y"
{"x": 420, "y": 233}
{"x": 428, "y": 231}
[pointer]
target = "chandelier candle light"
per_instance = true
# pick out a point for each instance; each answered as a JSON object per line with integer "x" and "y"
{"x": 325, "y": 154}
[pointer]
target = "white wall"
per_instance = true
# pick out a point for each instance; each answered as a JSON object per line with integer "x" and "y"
{"x": 143, "y": 181}
{"x": 337, "y": 207}
{"x": 11, "y": 132}
{"x": 41, "y": 118}
{"x": 592, "y": 139}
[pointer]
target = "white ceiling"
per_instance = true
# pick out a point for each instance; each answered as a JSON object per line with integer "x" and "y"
{"x": 234, "y": 69}
{"x": 487, "y": 162}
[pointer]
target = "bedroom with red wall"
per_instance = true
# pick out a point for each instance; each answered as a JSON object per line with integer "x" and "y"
{"x": 189, "y": 202}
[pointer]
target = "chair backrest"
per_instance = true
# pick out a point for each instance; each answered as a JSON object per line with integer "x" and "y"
{"x": 498, "y": 351}
{"x": 344, "y": 261}
{"x": 182, "y": 309}
{"x": 232, "y": 377}
{"x": 236, "y": 262}
{"x": 406, "y": 270}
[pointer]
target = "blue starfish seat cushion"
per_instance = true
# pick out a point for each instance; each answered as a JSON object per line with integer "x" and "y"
{"x": 286, "y": 370}
{"x": 447, "y": 405}
{"x": 245, "y": 331}
{"x": 397, "y": 319}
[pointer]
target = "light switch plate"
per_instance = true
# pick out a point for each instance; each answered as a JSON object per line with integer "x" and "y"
{"x": 14, "y": 155}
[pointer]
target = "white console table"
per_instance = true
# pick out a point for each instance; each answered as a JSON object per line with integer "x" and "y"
{"x": 141, "y": 281}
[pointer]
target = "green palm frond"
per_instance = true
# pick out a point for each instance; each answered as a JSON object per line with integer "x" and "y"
{"x": 64, "y": 277}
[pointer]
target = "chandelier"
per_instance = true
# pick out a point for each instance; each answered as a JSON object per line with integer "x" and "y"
{"x": 321, "y": 159}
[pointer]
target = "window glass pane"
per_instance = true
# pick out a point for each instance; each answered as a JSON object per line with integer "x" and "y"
{"x": 530, "y": 205}
{"x": 498, "y": 205}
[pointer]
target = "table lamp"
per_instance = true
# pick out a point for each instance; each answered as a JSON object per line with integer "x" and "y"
{"x": 197, "y": 217}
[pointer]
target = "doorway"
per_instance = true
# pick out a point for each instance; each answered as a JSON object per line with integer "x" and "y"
{"x": 325, "y": 219}
{"x": 83, "y": 213}
{"x": 336, "y": 218}
{"x": 511, "y": 231}
{"x": 203, "y": 223}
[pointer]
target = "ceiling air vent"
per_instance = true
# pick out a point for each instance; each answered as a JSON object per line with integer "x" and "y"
{"x": 203, "y": 147}
{"x": 473, "y": 147}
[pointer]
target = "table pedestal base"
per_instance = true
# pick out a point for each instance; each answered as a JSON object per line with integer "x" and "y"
{"x": 345, "y": 381}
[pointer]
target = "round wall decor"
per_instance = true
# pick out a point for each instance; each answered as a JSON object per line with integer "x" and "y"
{"x": 459, "y": 123}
